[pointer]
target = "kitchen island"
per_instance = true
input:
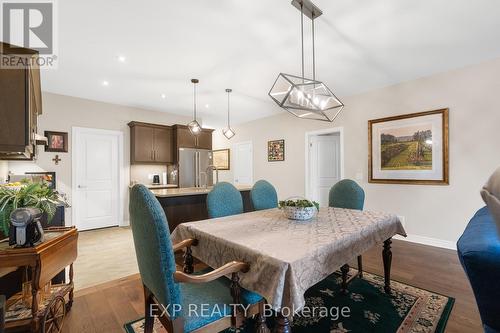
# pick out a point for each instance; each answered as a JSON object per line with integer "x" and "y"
{"x": 190, "y": 203}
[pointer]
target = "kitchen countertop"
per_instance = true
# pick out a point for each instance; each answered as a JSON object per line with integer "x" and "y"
{"x": 185, "y": 191}
{"x": 161, "y": 186}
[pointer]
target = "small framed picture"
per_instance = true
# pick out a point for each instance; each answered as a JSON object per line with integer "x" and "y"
{"x": 409, "y": 149}
{"x": 221, "y": 159}
{"x": 57, "y": 142}
{"x": 276, "y": 150}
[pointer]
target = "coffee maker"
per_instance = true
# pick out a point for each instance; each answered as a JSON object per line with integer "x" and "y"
{"x": 25, "y": 227}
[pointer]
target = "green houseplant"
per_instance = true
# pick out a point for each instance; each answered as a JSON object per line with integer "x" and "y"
{"x": 30, "y": 194}
{"x": 298, "y": 208}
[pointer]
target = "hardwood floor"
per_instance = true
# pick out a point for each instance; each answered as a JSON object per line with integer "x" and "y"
{"x": 106, "y": 307}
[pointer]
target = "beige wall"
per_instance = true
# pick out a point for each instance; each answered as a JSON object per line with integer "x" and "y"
{"x": 61, "y": 113}
{"x": 435, "y": 212}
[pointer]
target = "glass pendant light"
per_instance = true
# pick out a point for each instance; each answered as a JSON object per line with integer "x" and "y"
{"x": 228, "y": 131}
{"x": 194, "y": 126}
{"x": 302, "y": 97}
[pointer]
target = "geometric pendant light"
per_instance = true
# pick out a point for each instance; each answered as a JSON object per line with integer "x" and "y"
{"x": 306, "y": 98}
{"x": 194, "y": 126}
{"x": 228, "y": 131}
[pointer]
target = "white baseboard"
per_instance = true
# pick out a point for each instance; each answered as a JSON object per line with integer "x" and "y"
{"x": 125, "y": 223}
{"x": 428, "y": 241}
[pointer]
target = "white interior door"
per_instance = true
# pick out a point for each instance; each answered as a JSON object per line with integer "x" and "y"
{"x": 96, "y": 181}
{"x": 243, "y": 163}
{"x": 324, "y": 166}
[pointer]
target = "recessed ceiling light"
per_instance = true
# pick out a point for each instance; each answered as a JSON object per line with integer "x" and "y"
{"x": 122, "y": 59}
{"x": 105, "y": 83}
{"x": 163, "y": 96}
{"x": 207, "y": 105}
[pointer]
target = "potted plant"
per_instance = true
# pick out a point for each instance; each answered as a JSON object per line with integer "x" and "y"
{"x": 27, "y": 194}
{"x": 299, "y": 208}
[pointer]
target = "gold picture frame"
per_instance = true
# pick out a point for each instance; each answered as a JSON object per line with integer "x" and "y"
{"x": 409, "y": 149}
{"x": 221, "y": 159}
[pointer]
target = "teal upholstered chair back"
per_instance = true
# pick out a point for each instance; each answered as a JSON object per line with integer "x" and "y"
{"x": 347, "y": 194}
{"x": 153, "y": 246}
{"x": 263, "y": 195}
{"x": 224, "y": 200}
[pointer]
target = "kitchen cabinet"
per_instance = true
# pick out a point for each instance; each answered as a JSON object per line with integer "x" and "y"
{"x": 150, "y": 143}
{"x": 20, "y": 103}
{"x": 184, "y": 138}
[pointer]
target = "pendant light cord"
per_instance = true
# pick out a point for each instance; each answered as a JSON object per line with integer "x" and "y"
{"x": 194, "y": 100}
{"x": 314, "y": 55}
{"x": 302, "y": 34}
{"x": 228, "y": 125}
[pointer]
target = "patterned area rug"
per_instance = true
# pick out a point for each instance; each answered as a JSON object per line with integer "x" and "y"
{"x": 408, "y": 309}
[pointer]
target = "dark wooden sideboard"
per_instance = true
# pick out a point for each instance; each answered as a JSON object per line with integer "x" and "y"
{"x": 11, "y": 283}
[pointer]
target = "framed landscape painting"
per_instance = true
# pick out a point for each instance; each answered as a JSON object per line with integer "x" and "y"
{"x": 409, "y": 149}
{"x": 221, "y": 159}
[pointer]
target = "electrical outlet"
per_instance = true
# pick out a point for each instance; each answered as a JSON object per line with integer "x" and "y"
{"x": 150, "y": 176}
{"x": 403, "y": 220}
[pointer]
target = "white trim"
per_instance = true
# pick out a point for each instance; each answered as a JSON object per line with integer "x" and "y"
{"x": 333, "y": 130}
{"x": 75, "y": 131}
{"x": 428, "y": 241}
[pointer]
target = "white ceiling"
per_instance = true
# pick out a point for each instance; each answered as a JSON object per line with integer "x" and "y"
{"x": 243, "y": 45}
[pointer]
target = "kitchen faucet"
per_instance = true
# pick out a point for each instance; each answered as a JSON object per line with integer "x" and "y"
{"x": 210, "y": 168}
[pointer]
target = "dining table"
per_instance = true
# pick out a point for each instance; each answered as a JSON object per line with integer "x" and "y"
{"x": 287, "y": 257}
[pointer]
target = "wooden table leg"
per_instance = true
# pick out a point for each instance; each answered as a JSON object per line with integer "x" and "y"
{"x": 188, "y": 261}
{"x": 71, "y": 292}
{"x": 360, "y": 266}
{"x": 282, "y": 324}
{"x": 261, "y": 325}
{"x": 387, "y": 258}
{"x": 344, "y": 269}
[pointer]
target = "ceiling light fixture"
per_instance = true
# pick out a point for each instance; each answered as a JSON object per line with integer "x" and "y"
{"x": 302, "y": 97}
{"x": 228, "y": 131}
{"x": 122, "y": 59}
{"x": 105, "y": 83}
{"x": 194, "y": 126}
{"x": 163, "y": 96}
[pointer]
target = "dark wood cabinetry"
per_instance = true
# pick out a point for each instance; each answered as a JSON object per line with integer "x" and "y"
{"x": 150, "y": 143}
{"x": 184, "y": 139}
{"x": 20, "y": 102}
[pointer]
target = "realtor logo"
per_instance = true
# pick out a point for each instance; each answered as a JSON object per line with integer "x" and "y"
{"x": 30, "y": 25}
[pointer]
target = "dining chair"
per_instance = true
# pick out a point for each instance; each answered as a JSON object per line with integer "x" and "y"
{"x": 224, "y": 200}
{"x": 176, "y": 293}
{"x": 263, "y": 195}
{"x": 348, "y": 194}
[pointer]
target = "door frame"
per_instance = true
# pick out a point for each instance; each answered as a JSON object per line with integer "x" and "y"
{"x": 308, "y": 135}
{"x": 75, "y": 132}
{"x": 233, "y": 160}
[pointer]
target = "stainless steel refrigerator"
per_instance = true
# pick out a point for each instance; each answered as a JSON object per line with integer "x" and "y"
{"x": 193, "y": 164}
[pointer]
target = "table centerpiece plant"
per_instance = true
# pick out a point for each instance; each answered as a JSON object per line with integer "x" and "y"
{"x": 299, "y": 208}
{"x": 27, "y": 194}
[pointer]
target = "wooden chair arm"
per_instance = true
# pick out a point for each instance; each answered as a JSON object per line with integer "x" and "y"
{"x": 230, "y": 267}
{"x": 185, "y": 243}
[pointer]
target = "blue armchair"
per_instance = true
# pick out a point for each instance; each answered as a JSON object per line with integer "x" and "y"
{"x": 175, "y": 291}
{"x": 348, "y": 194}
{"x": 479, "y": 252}
{"x": 224, "y": 200}
{"x": 263, "y": 195}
